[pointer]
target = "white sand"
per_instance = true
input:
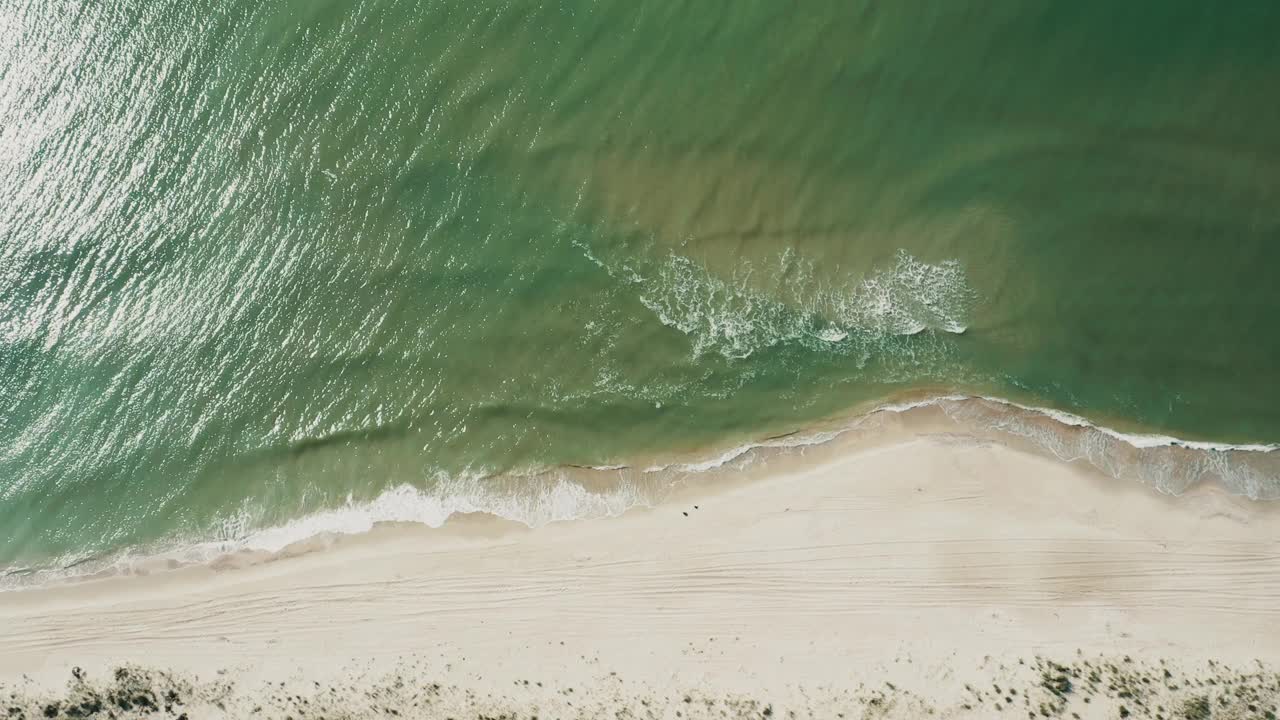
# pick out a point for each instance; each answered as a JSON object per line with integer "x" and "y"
{"x": 928, "y": 563}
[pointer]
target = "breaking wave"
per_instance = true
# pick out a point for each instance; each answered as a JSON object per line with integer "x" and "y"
{"x": 739, "y": 315}
{"x": 1168, "y": 464}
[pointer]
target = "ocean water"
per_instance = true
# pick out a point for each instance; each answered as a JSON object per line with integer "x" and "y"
{"x": 270, "y": 267}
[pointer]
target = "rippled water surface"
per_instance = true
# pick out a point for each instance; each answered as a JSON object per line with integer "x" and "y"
{"x": 266, "y": 259}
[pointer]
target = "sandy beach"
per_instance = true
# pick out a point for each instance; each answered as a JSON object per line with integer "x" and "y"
{"x": 934, "y": 574}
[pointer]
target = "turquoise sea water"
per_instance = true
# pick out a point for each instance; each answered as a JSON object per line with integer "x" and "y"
{"x": 268, "y": 259}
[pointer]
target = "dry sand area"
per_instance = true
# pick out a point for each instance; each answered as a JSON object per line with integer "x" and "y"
{"x": 932, "y": 576}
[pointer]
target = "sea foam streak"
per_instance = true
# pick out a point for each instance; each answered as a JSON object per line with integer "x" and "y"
{"x": 556, "y": 500}
{"x": 532, "y": 500}
{"x": 735, "y": 317}
{"x": 1166, "y": 463}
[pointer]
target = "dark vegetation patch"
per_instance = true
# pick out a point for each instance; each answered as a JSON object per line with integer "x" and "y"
{"x": 1032, "y": 688}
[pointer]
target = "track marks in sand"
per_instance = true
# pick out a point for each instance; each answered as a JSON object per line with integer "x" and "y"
{"x": 905, "y": 548}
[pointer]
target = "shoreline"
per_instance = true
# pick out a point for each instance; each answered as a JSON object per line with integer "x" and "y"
{"x": 573, "y": 492}
{"x": 930, "y": 560}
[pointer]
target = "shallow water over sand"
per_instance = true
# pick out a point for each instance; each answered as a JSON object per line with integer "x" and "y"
{"x": 263, "y": 261}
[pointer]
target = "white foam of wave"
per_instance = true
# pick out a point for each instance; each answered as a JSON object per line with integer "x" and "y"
{"x": 725, "y": 316}
{"x": 1137, "y": 440}
{"x": 532, "y": 501}
{"x": 561, "y": 499}
{"x": 556, "y": 501}
{"x": 738, "y": 315}
{"x": 908, "y": 298}
{"x": 734, "y": 453}
{"x": 901, "y": 407}
{"x": 832, "y": 334}
{"x": 1166, "y": 463}
{"x": 551, "y": 497}
{"x": 1141, "y": 440}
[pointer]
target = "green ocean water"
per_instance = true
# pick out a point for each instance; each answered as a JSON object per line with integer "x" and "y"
{"x": 270, "y": 259}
